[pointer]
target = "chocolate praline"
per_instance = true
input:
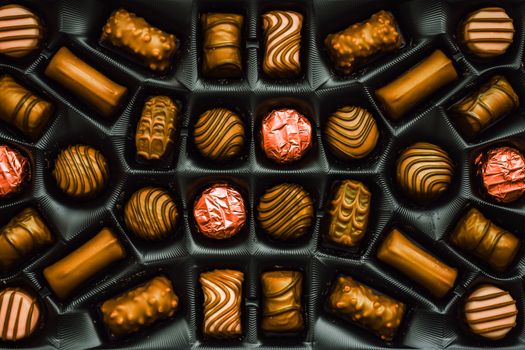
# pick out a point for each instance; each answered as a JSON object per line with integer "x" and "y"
{"x": 21, "y": 31}
{"x": 19, "y": 314}
{"x": 14, "y": 170}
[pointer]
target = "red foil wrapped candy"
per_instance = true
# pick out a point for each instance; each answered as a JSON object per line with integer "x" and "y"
{"x": 14, "y": 170}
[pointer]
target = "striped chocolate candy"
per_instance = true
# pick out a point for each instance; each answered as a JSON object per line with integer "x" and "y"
{"x": 19, "y": 314}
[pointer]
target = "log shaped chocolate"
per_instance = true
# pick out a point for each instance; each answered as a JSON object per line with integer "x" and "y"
{"x": 282, "y": 311}
{"x": 86, "y": 261}
{"x": 417, "y": 264}
{"x": 477, "y": 235}
{"x": 24, "y": 236}
{"x": 375, "y": 312}
{"x": 153, "y": 47}
{"x": 360, "y": 41}
{"x": 19, "y": 314}
{"x": 348, "y": 213}
{"x": 222, "y": 45}
{"x": 21, "y": 31}
{"x": 415, "y": 85}
{"x": 491, "y": 101}
{"x": 22, "y": 109}
{"x": 282, "y": 44}
{"x": 222, "y": 303}
{"x": 156, "y": 128}
{"x": 140, "y": 307}
{"x": 94, "y": 88}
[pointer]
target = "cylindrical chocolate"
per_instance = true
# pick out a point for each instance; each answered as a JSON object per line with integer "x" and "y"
{"x": 417, "y": 264}
{"x": 86, "y": 82}
{"x": 415, "y": 85}
{"x": 99, "y": 252}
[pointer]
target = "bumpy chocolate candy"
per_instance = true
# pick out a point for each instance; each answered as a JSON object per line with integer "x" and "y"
{"x": 14, "y": 170}
{"x": 21, "y": 31}
{"x": 19, "y": 314}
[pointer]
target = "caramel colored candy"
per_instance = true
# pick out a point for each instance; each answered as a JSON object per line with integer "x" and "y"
{"x": 21, "y": 31}
{"x": 19, "y": 314}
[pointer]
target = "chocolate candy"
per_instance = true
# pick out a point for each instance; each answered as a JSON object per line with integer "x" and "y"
{"x": 348, "y": 213}
{"x": 285, "y": 211}
{"x": 502, "y": 173}
{"x": 222, "y": 45}
{"x": 424, "y": 172}
{"x": 415, "y": 85}
{"x": 417, "y": 264}
{"x": 22, "y": 109}
{"x": 351, "y": 133}
{"x": 21, "y": 31}
{"x": 282, "y": 44}
{"x": 219, "y": 212}
{"x": 81, "y": 171}
{"x": 375, "y": 312}
{"x": 65, "y": 275}
{"x": 24, "y": 236}
{"x": 490, "y": 312}
{"x": 286, "y": 135}
{"x": 19, "y": 314}
{"x": 151, "y": 214}
{"x": 156, "y": 128}
{"x": 476, "y": 234}
{"x": 282, "y": 311}
{"x": 14, "y": 170}
{"x": 153, "y": 47}
{"x": 360, "y": 41}
{"x": 222, "y": 291}
{"x": 140, "y": 307}
{"x": 487, "y": 32}
{"x": 490, "y": 102}
{"x": 86, "y": 82}
{"x": 219, "y": 134}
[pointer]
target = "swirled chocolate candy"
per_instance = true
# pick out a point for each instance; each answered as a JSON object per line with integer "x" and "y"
{"x": 360, "y": 41}
{"x": 285, "y": 211}
{"x": 502, "y": 173}
{"x": 487, "y": 32}
{"x": 282, "y": 44}
{"x": 219, "y": 134}
{"x": 156, "y": 128}
{"x": 153, "y": 47}
{"x": 282, "y": 311}
{"x": 351, "y": 133}
{"x": 14, "y": 170}
{"x": 490, "y": 102}
{"x": 424, "y": 172}
{"x": 375, "y": 312}
{"x": 219, "y": 212}
{"x": 19, "y": 314}
{"x": 81, "y": 171}
{"x": 222, "y": 45}
{"x": 477, "y": 235}
{"x": 23, "y": 237}
{"x": 348, "y": 213}
{"x": 140, "y": 307}
{"x": 490, "y": 312}
{"x": 151, "y": 214}
{"x": 21, "y": 31}
{"x": 222, "y": 291}
{"x": 22, "y": 109}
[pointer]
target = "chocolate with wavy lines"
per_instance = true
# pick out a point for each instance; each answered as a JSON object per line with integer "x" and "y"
{"x": 19, "y": 314}
{"x": 151, "y": 214}
{"x": 285, "y": 211}
{"x": 222, "y": 291}
{"x": 81, "y": 171}
{"x": 21, "y": 31}
{"x": 424, "y": 172}
{"x": 219, "y": 134}
{"x": 351, "y": 133}
{"x": 282, "y": 44}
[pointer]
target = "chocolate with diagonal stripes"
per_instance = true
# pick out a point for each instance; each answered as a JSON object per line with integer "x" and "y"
{"x": 19, "y": 314}
{"x": 21, "y": 31}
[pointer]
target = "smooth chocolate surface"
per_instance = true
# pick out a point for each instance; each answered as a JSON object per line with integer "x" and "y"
{"x": 21, "y": 31}
{"x": 19, "y": 314}
{"x": 14, "y": 170}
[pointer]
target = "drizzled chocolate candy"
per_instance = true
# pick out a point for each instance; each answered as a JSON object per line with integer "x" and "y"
{"x": 19, "y": 314}
{"x": 21, "y": 31}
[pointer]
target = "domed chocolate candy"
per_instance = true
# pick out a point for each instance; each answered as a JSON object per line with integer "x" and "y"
{"x": 21, "y": 31}
{"x": 19, "y": 314}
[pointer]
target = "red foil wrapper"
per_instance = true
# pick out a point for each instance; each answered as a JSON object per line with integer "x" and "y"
{"x": 14, "y": 169}
{"x": 219, "y": 212}
{"x": 286, "y": 135}
{"x": 502, "y": 172}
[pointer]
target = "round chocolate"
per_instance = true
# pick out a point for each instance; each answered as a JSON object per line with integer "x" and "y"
{"x": 21, "y": 31}
{"x": 81, "y": 171}
{"x": 219, "y": 134}
{"x": 19, "y": 314}
{"x": 285, "y": 211}
{"x": 14, "y": 170}
{"x": 151, "y": 214}
{"x": 219, "y": 212}
{"x": 424, "y": 172}
{"x": 286, "y": 135}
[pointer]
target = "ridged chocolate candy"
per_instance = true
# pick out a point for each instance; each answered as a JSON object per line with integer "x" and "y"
{"x": 21, "y": 31}
{"x": 14, "y": 170}
{"x": 19, "y": 314}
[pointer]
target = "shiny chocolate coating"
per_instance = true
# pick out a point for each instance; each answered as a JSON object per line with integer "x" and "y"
{"x": 19, "y": 314}
{"x": 21, "y": 31}
{"x": 14, "y": 170}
